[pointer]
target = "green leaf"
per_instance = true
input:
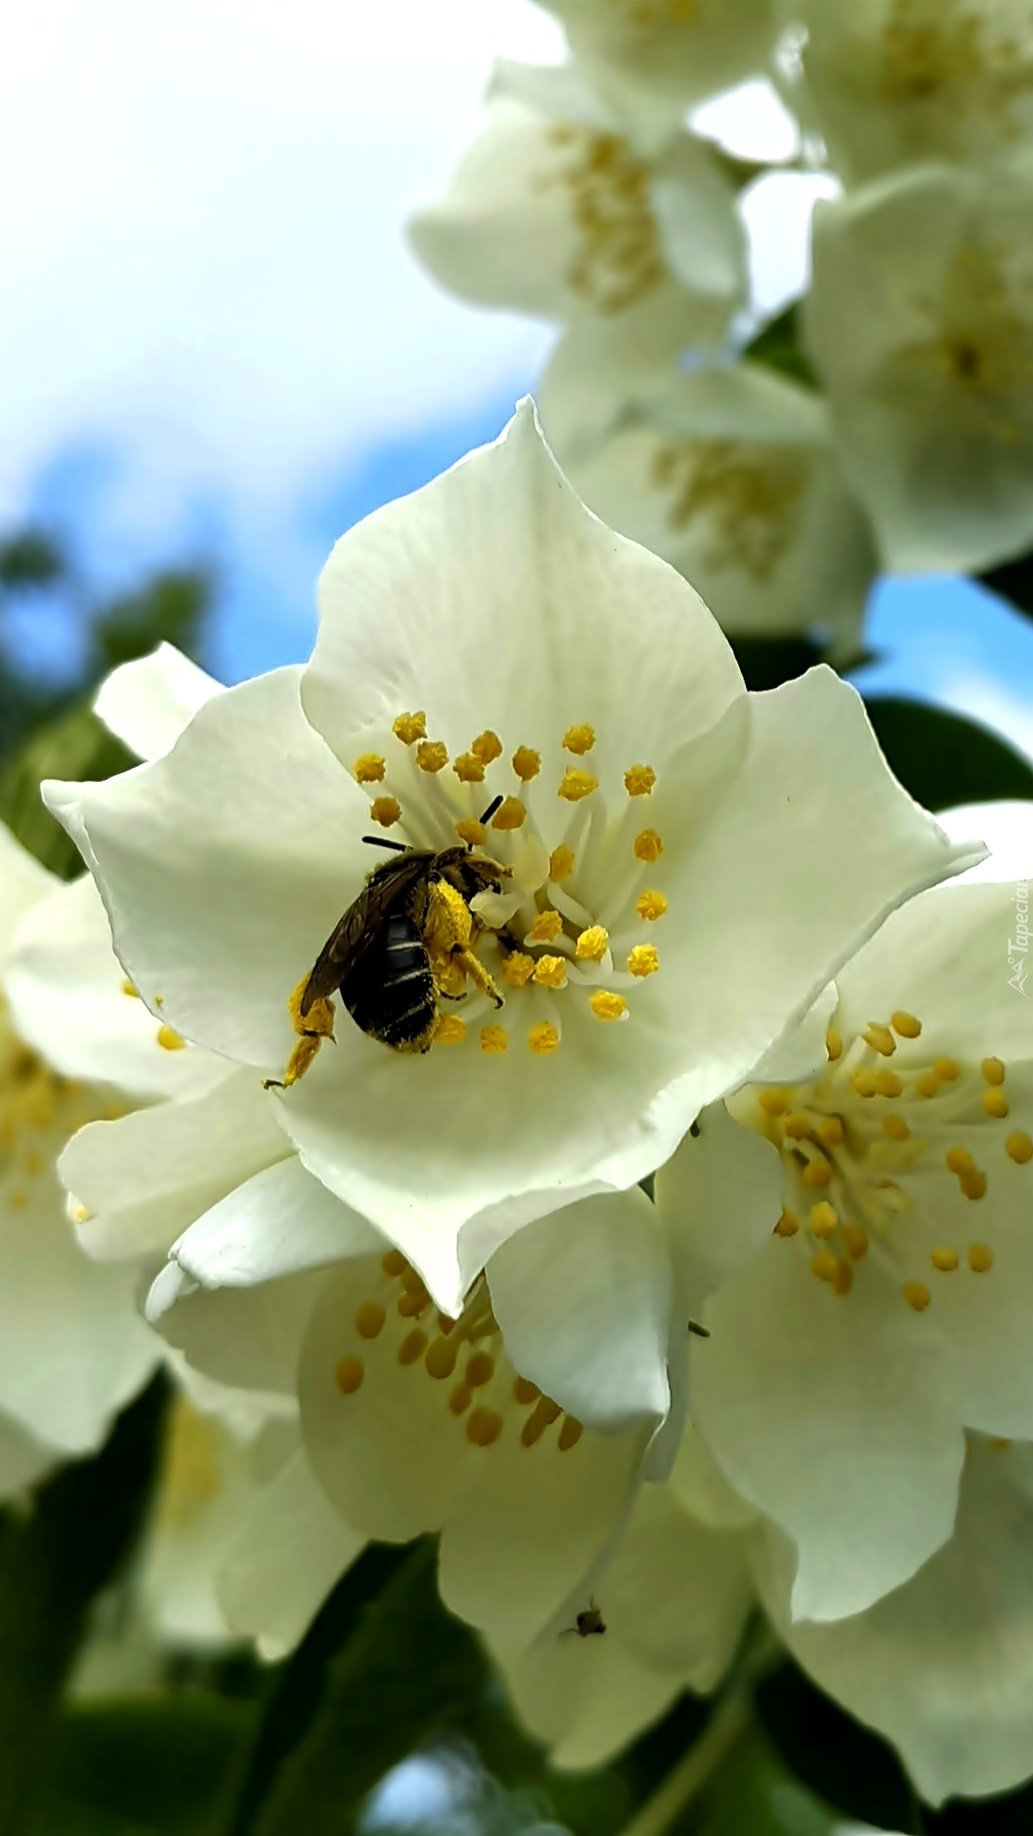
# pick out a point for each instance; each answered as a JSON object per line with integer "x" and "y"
{"x": 944, "y": 758}
{"x": 778, "y": 346}
{"x": 1012, "y": 581}
{"x": 76, "y": 746}
{"x": 753, "y": 1791}
{"x": 53, "y": 1560}
{"x": 30, "y": 560}
{"x": 173, "y": 606}
{"x": 767, "y": 662}
{"x": 832, "y": 1755}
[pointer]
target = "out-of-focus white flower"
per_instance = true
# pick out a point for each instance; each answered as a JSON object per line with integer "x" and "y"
{"x": 652, "y": 59}
{"x": 920, "y": 320}
{"x": 554, "y": 211}
{"x": 575, "y": 677}
{"x": 892, "y": 82}
{"x": 730, "y": 474}
{"x": 891, "y": 1308}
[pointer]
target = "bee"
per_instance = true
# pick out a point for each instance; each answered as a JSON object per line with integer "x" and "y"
{"x": 589, "y": 1623}
{"x": 378, "y": 956}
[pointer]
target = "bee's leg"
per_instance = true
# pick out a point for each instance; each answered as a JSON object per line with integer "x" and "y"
{"x": 479, "y": 975}
{"x": 311, "y": 1028}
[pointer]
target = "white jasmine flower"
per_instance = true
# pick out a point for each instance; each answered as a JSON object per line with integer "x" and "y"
{"x": 890, "y": 1309}
{"x": 893, "y": 82}
{"x": 732, "y": 476}
{"x": 555, "y": 212}
{"x": 921, "y": 322}
{"x": 487, "y": 639}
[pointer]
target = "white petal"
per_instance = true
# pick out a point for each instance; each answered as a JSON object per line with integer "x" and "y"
{"x": 23, "y": 884}
{"x": 677, "y": 1593}
{"x": 719, "y": 1199}
{"x": 587, "y": 1697}
{"x": 288, "y": 1552}
{"x": 147, "y": 703}
{"x": 279, "y": 1222}
{"x": 249, "y": 1338}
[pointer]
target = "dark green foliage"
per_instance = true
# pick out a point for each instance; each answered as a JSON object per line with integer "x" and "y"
{"x": 944, "y": 758}
{"x": 778, "y": 347}
{"x": 30, "y": 558}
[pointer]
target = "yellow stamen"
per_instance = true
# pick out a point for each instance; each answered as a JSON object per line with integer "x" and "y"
{"x": 483, "y": 1427}
{"x": 643, "y": 960}
{"x": 550, "y": 972}
{"x": 797, "y": 1125}
{"x": 517, "y": 969}
{"x": 412, "y": 1347}
{"x": 449, "y": 1030}
{"x": 880, "y": 1039}
{"x": 649, "y": 846}
{"x": 579, "y": 740}
{"x": 393, "y": 1263}
{"x": 170, "y": 1040}
{"x": 606, "y": 1006}
{"x": 863, "y": 1082}
{"x": 843, "y": 1279}
{"x": 480, "y": 1370}
{"x": 917, "y": 1295}
{"x": 824, "y": 1219}
{"x": 487, "y": 747}
{"x": 570, "y": 1433}
{"x": 928, "y": 1084}
{"x": 650, "y": 906}
{"x": 895, "y": 1128}
{"x": 980, "y": 1258}
{"x": 834, "y": 1043}
{"x": 369, "y": 1320}
{"x": 855, "y": 1242}
{"x": 959, "y": 1161}
{"x": 576, "y": 785}
{"x": 129, "y": 989}
{"x": 639, "y": 780}
{"x": 544, "y": 1414}
{"x": 788, "y": 1224}
{"x": 944, "y": 1259}
{"x": 592, "y": 944}
{"x": 824, "y": 1265}
{"x": 410, "y": 727}
{"x": 474, "y": 834}
{"x": 441, "y": 1358}
{"x": 543, "y": 1039}
{"x": 888, "y": 1084}
{"x": 906, "y": 1025}
{"x": 817, "y": 1173}
{"x": 410, "y": 1306}
{"x": 526, "y": 763}
{"x": 830, "y": 1131}
{"x": 993, "y": 1070}
{"x": 995, "y": 1102}
{"x": 370, "y": 768}
{"x": 546, "y": 927}
{"x": 946, "y": 1070}
{"x": 386, "y": 811}
{"x": 1019, "y": 1147}
{"x": 510, "y": 814}
{"x": 773, "y": 1102}
{"x": 525, "y": 1392}
{"x": 973, "y": 1185}
{"x": 432, "y": 755}
{"x": 469, "y": 769}
{"x": 561, "y": 864}
{"x": 348, "y": 1374}
{"x": 460, "y": 1399}
{"x": 494, "y": 1040}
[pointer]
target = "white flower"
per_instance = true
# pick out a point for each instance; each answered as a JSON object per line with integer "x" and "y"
{"x": 651, "y": 59}
{"x": 554, "y": 211}
{"x": 921, "y": 322}
{"x": 730, "y": 474}
{"x": 891, "y": 1308}
{"x": 892, "y": 82}
{"x": 577, "y": 678}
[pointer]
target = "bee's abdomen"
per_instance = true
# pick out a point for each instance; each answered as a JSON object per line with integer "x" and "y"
{"x": 393, "y": 997}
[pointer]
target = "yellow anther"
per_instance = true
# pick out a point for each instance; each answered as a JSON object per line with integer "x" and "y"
{"x": 543, "y": 1039}
{"x": 917, "y": 1295}
{"x": 606, "y": 1006}
{"x": 410, "y": 1306}
{"x": 550, "y": 972}
{"x": 824, "y": 1265}
{"x": 980, "y": 1258}
{"x": 817, "y": 1173}
{"x": 370, "y": 768}
{"x": 412, "y": 1347}
{"x": 824, "y": 1219}
{"x": 880, "y": 1039}
{"x": 170, "y": 1040}
{"x": 993, "y": 1070}
{"x": 643, "y": 960}
{"x": 393, "y": 1263}
{"x": 369, "y": 1319}
{"x": 797, "y": 1125}
{"x": 159, "y": 1000}
{"x": 460, "y": 1399}
{"x": 526, "y": 763}
{"x": 650, "y": 905}
{"x": 1019, "y": 1147}
{"x": 546, "y": 927}
{"x": 579, "y": 740}
{"x": 432, "y": 755}
{"x": 834, "y": 1042}
{"x": 510, "y": 814}
{"x": 928, "y": 1084}
{"x": 469, "y": 769}
{"x": 128, "y": 988}
{"x": 480, "y": 1370}
{"x": 944, "y": 1259}
{"x": 525, "y": 1392}
{"x": 946, "y": 1070}
{"x": 487, "y": 747}
{"x": 577, "y": 784}
{"x": 888, "y": 1084}
{"x": 18, "y": 1200}
{"x": 843, "y": 1279}
{"x": 773, "y": 1102}
{"x": 906, "y": 1025}
{"x": 474, "y": 834}
{"x": 639, "y": 780}
{"x": 592, "y": 944}
{"x": 449, "y": 1030}
{"x": 517, "y": 969}
{"x": 494, "y": 1040}
{"x": 973, "y": 1185}
{"x": 570, "y": 1433}
{"x": 82, "y": 1214}
{"x": 483, "y": 1427}
{"x": 348, "y": 1374}
{"x": 441, "y": 1358}
{"x": 445, "y": 1325}
{"x": 544, "y": 1414}
{"x": 412, "y": 1282}
{"x": 410, "y": 727}
{"x": 649, "y": 846}
{"x": 561, "y": 864}
{"x": 895, "y": 1128}
{"x": 830, "y": 1131}
{"x": 855, "y": 1242}
{"x": 995, "y": 1102}
{"x": 386, "y": 811}
{"x": 788, "y": 1224}
{"x": 863, "y": 1082}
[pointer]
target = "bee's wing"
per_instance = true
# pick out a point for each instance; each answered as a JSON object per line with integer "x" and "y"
{"x": 362, "y": 923}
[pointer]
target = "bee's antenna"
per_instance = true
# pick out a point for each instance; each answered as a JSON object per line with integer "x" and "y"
{"x": 383, "y": 841}
{"x": 495, "y": 804}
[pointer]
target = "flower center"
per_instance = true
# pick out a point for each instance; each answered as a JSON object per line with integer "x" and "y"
{"x": 927, "y": 49}
{"x": 877, "y": 1150}
{"x": 748, "y": 497}
{"x": 191, "y": 1472}
{"x": 618, "y": 259}
{"x": 38, "y": 1112}
{"x": 464, "y": 1359}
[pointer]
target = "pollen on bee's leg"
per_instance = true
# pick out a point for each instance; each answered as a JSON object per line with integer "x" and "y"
{"x": 474, "y": 968}
{"x": 312, "y": 1028}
